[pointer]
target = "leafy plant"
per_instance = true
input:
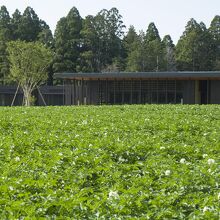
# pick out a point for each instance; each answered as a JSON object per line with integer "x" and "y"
{"x": 121, "y": 162}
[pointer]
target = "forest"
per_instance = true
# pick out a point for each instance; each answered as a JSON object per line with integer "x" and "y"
{"x": 102, "y": 43}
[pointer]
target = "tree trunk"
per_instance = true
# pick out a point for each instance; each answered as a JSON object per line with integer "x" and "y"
{"x": 27, "y": 97}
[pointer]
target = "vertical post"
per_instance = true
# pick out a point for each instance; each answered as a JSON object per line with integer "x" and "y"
{"x": 86, "y": 92}
{"x": 106, "y": 92}
{"x": 73, "y": 90}
{"x": 140, "y": 91}
{"x": 64, "y": 93}
{"x": 208, "y": 86}
{"x": 99, "y": 94}
{"x": 82, "y": 92}
{"x": 78, "y": 92}
{"x": 123, "y": 91}
{"x": 175, "y": 93}
{"x": 114, "y": 91}
{"x": 197, "y": 93}
{"x": 166, "y": 81}
{"x": 157, "y": 91}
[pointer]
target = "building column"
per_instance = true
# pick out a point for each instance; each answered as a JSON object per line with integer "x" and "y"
{"x": 197, "y": 93}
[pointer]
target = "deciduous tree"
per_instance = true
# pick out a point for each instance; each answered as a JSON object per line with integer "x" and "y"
{"x": 29, "y": 63}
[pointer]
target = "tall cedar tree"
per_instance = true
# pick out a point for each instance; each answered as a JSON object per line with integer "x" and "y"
{"x": 5, "y": 36}
{"x": 133, "y": 44}
{"x": 68, "y": 42}
{"x": 214, "y": 30}
{"x": 89, "y": 54}
{"x": 169, "y": 48}
{"x": 110, "y": 30}
{"x": 193, "y": 50}
{"x": 29, "y": 26}
{"x": 154, "y": 50}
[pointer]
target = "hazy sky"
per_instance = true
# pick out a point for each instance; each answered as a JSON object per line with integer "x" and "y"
{"x": 170, "y": 16}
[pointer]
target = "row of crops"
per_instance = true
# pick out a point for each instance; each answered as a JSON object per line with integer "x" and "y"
{"x": 121, "y": 162}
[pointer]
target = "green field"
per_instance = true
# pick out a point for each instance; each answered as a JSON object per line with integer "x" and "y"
{"x": 121, "y": 162}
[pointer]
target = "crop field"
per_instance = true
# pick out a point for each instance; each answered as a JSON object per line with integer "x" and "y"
{"x": 121, "y": 162}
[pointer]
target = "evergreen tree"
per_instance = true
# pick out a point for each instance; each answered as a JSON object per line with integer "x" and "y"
{"x": 154, "y": 50}
{"x": 169, "y": 48}
{"x": 152, "y": 33}
{"x": 16, "y": 22}
{"x": 214, "y": 30}
{"x": 109, "y": 28}
{"x": 5, "y": 36}
{"x": 136, "y": 53}
{"x": 193, "y": 50}
{"x": 129, "y": 39}
{"x": 45, "y": 35}
{"x": 89, "y": 53}
{"x": 29, "y": 25}
{"x": 68, "y": 42}
{"x": 132, "y": 44}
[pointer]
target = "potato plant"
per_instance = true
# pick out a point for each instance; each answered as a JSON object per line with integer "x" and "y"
{"x": 110, "y": 162}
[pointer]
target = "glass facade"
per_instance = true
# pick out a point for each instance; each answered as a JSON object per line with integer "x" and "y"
{"x": 140, "y": 92}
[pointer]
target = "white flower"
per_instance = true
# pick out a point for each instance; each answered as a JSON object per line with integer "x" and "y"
{"x": 17, "y": 159}
{"x": 61, "y": 154}
{"x": 211, "y": 161}
{"x": 84, "y": 122}
{"x": 121, "y": 159}
{"x": 11, "y": 188}
{"x": 183, "y": 160}
{"x": 113, "y": 195}
{"x": 167, "y": 172}
{"x": 204, "y": 155}
{"x": 206, "y": 208}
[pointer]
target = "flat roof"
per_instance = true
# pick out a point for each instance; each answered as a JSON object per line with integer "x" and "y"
{"x": 187, "y": 75}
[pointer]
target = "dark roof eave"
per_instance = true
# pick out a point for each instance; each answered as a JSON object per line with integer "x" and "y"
{"x": 141, "y": 75}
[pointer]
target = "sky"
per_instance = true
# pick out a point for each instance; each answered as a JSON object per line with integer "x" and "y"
{"x": 169, "y": 16}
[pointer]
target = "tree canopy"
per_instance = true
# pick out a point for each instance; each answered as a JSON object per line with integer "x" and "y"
{"x": 29, "y": 62}
{"x": 100, "y": 43}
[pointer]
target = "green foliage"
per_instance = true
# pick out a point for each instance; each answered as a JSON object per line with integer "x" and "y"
{"x": 169, "y": 48}
{"x": 194, "y": 49}
{"x": 102, "y": 41}
{"x": 29, "y": 62}
{"x": 26, "y": 27}
{"x": 121, "y": 162}
{"x": 29, "y": 26}
{"x": 68, "y": 42}
{"x": 154, "y": 50}
{"x": 135, "y": 51}
{"x": 5, "y": 36}
{"x": 98, "y": 44}
{"x": 214, "y": 30}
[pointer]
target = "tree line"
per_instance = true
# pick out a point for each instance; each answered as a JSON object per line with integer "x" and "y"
{"x": 99, "y": 43}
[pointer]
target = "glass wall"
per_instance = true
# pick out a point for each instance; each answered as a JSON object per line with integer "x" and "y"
{"x": 140, "y": 91}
